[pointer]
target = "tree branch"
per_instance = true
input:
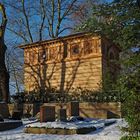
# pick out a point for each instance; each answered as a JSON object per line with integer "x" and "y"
{"x": 18, "y": 34}
{"x": 4, "y": 20}
{"x": 58, "y": 18}
{"x": 68, "y": 9}
{"x": 27, "y": 20}
{"x": 43, "y": 19}
{"x": 52, "y": 19}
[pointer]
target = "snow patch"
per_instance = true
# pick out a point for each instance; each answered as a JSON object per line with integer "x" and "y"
{"x": 111, "y": 132}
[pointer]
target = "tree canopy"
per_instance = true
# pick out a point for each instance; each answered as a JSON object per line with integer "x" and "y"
{"x": 120, "y": 22}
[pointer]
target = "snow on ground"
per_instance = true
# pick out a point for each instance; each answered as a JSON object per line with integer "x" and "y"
{"x": 111, "y": 132}
{"x": 97, "y": 123}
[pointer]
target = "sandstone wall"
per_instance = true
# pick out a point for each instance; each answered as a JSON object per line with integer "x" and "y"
{"x": 93, "y": 110}
{"x": 72, "y": 66}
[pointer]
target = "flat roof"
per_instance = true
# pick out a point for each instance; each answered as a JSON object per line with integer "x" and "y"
{"x": 54, "y": 39}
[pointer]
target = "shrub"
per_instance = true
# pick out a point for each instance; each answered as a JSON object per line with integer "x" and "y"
{"x": 77, "y": 94}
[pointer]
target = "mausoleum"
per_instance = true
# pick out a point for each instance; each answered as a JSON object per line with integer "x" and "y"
{"x": 77, "y": 60}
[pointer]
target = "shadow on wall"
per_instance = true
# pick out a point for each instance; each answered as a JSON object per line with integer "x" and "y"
{"x": 39, "y": 75}
{"x": 100, "y": 110}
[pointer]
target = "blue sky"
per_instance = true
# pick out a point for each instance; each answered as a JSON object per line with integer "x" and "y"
{"x": 16, "y": 41}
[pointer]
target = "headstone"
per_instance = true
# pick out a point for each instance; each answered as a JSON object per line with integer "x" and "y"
{"x": 4, "y": 110}
{"x": 16, "y": 115}
{"x": 18, "y": 106}
{"x": 31, "y": 109}
{"x": 27, "y": 110}
{"x": 47, "y": 113}
{"x": 1, "y": 118}
{"x": 62, "y": 114}
{"x": 73, "y": 108}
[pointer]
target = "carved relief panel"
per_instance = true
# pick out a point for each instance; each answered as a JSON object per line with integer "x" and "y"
{"x": 88, "y": 47}
{"x": 91, "y": 46}
{"x": 75, "y": 50}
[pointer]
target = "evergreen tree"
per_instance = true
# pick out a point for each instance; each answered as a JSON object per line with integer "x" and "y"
{"x": 120, "y": 21}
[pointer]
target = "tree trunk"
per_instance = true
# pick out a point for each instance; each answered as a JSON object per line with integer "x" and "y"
{"x": 4, "y": 85}
{"x": 4, "y": 75}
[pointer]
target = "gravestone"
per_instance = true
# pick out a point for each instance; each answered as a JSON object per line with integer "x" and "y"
{"x": 4, "y": 110}
{"x": 1, "y": 118}
{"x": 31, "y": 109}
{"x": 62, "y": 114}
{"x": 17, "y": 110}
{"x": 47, "y": 113}
{"x": 73, "y": 108}
{"x": 16, "y": 115}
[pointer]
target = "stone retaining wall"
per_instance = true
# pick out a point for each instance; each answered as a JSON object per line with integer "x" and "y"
{"x": 93, "y": 110}
{"x": 86, "y": 109}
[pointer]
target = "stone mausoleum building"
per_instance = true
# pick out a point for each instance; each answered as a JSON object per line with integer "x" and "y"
{"x": 77, "y": 60}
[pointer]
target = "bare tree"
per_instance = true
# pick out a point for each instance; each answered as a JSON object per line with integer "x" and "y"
{"x": 15, "y": 67}
{"x": 4, "y": 75}
{"x": 30, "y": 21}
{"x": 83, "y": 11}
{"x": 35, "y": 21}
